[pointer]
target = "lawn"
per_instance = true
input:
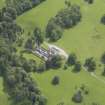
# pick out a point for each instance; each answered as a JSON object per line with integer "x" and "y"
{"x": 2, "y": 2}
{"x": 87, "y": 39}
{"x": 68, "y": 82}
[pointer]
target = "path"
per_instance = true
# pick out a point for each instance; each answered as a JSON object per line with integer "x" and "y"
{"x": 95, "y": 76}
{"x": 98, "y": 78}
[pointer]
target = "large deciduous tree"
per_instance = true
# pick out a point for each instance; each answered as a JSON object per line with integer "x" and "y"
{"x": 53, "y": 31}
{"x": 90, "y": 64}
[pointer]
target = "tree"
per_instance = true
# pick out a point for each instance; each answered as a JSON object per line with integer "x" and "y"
{"x": 42, "y": 100}
{"x": 71, "y": 59}
{"x": 77, "y": 67}
{"x": 8, "y": 27}
{"x": 55, "y": 80}
{"x": 41, "y": 67}
{"x": 103, "y": 19}
{"x": 5, "y": 53}
{"x": 103, "y": 73}
{"x": 55, "y": 62}
{"x": 11, "y": 80}
{"x": 11, "y": 12}
{"x": 22, "y": 6}
{"x": 29, "y": 44}
{"x": 14, "y": 69}
{"x": 90, "y": 64}
{"x": 84, "y": 89}
{"x": 53, "y": 31}
{"x": 89, "y": 1}
{"x": 68, "y": 17}
{"x": 38, "y": 36}
{"x": 65, "y": 66}
{"x": 103, "y": 58}
{"x": 21, "y": 74}
{"x": 68, "y": 3}
{"x": 77, "y": 97}
{"x": 29, "y": 65}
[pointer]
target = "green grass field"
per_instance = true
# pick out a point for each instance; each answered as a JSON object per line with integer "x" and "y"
{"x": 2, "y": 2}
{"x": 87, "y": 39}
{"x": 66, "y": 89}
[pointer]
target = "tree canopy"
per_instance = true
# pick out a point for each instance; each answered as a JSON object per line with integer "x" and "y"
{"x": 66, "y": 18}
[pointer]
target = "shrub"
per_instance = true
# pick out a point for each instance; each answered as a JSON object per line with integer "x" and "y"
{"x": 90, "y": 64}
{"x": 65, "y": 67}
{"x": 55, "y": 62}
{"x": 68, "y": 3}
{"x": 77, "y": 67}
{"x": 55, "y": 80}
{"x": 77, "y": 97}
{"x": 90, "y": 1}
{"x": 103, "y": 73}
{"x": 103, "y": 19}
{"x": 71, "y": 59}
{"x": 103, "y": 58}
